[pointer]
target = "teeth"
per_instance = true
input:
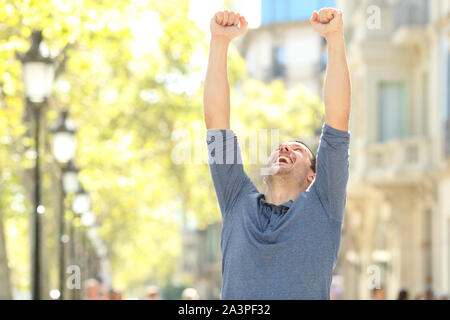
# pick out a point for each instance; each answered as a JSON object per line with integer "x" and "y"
{"x": 288, "y": 160}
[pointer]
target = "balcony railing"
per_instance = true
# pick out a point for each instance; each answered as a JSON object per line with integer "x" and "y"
{"x": 411, "y": 13}
{"x": 397, "y": 159}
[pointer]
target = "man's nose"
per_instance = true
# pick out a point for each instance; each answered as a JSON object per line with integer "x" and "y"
{"x": 285, "y": 147}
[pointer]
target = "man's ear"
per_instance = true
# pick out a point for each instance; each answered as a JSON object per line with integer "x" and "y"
{"x": 311, "y": 177}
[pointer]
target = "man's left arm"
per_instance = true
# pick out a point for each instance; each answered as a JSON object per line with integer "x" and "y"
{"x": 332, "y": 167}
{"x": 337, "y": 88}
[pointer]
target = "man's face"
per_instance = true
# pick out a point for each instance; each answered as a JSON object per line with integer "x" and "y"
{"x": 292, "y": 159}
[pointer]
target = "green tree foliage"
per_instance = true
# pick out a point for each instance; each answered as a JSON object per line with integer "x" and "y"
{"x": 136, "y": 109}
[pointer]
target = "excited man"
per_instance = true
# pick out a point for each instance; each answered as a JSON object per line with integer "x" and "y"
{"x": 283, "y": 244}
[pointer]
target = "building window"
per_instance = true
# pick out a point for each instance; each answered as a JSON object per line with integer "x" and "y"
{"x": 279, "y": 62}
{"x": 392, "y": 111}
{"x": 411, "y": 13}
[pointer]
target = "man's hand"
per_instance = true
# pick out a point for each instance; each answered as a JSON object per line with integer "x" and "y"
{"x": 327, "y": 22}
{"x": 228, "y": 24}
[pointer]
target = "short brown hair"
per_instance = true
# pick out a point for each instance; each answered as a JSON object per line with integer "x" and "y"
{"x": 313, "y": 158}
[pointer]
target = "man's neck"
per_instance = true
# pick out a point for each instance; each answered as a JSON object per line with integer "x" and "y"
{"x": 279, "y": 193}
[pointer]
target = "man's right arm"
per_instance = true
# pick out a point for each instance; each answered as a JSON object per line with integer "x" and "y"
{"x": 225, "y": 162}
{"x": 216, "y": 95}
{"x": 225, "y": 26}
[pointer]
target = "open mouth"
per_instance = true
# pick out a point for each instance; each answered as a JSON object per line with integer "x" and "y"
{"x": 285, "y": 159}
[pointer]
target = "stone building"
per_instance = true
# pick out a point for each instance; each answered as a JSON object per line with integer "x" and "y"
{"x": 398, "y": 209}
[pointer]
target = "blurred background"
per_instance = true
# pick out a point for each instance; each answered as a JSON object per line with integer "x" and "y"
{"x": 104, "y": 188}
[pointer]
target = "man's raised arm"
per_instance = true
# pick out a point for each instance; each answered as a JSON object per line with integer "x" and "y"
{"x": 225, "y": 26}
{"x": 337, "y": 88}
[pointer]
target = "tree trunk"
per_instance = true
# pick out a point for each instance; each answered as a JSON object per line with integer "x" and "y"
{"x": 5, "y": 281}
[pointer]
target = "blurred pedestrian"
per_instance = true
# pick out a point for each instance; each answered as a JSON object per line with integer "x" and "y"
{"x": 152, "y": 293}
{"x": 190, "y": 294}
{"x": 403, "y": 295}
{"x": 115, "y": 295}
{"x": 103, "y": 293}
{"x": 378, "y": 293}
{"x": 92, "y": 289}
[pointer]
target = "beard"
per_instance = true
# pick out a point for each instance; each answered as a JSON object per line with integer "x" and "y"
{"x": 280, "y": 168}
{"x": 276, "y": 168}
{"x": 286, "y": 174}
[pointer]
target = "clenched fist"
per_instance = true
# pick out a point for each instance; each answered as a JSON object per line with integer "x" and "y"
{"x": 327, "y": 21}
{"x": 228, "y": 24}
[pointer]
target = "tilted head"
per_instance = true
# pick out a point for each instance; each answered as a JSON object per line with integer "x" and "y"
{"x": 293, "y": 162}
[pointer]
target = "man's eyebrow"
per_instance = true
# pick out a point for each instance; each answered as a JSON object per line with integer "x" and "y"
{"x": 296, "y": 144}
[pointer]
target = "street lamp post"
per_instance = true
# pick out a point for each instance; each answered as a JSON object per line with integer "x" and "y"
{"x": 64, "y": 145}
{"x": 88, "y": 221}
{"x": 81, "y": 204}
{"x": 72, "y": 185}
{"x": 64, "y": 142}
{"x": 70, "y": 180}
{"x": 38, "y": 74}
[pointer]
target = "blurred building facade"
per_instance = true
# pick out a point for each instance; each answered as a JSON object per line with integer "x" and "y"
{"x": 285, "y": 46}
{"x": 398, "y": 209}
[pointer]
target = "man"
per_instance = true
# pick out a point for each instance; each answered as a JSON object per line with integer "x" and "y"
{"x": 282, "y": 244}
